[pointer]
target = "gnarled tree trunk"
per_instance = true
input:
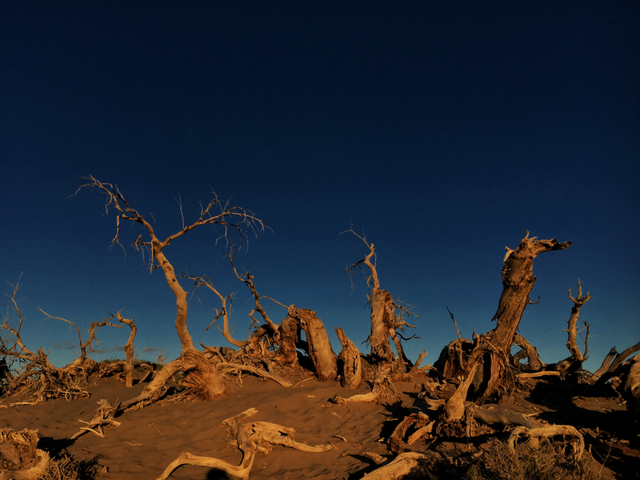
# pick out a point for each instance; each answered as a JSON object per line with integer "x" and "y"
{"x": 517, "y": 282}
{"x": 319, "y": 348}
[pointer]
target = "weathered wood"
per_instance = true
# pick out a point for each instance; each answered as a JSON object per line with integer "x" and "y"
{"x": 251, "y": 438}
{"x": 319, "y": 347}
{"x": 572, "y": 342}
{"x": 20, "y": 459}
{"x": 517, "y": 282}
{"x": 529, "y": 351}
{"x": 381, "y": 388}
{"x": 550, "y": 431}
{"x": 351, "y": 362}
{"x": 247, "y": 368}
{"x": 454, "y": 408}
{"x": 103, "y": 417}
{"x": 289, "y": 333}
{"x": 128, "y": 349}
{"x": 632, "y": 387}
{"x": 491, "y": 416}
{"x": 403, "y": 465}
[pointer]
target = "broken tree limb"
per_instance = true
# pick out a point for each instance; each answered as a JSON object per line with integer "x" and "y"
{"x": 103, "y": 417}
{"x": 418, "y": 421}
{"x": 534, "y": 434}
{"x": 550, "y": 373}
{"x": 605, "y": 365}
{"x": 381, "y": 386}
{"x": 529, "y": 351}
{"x": 262, "y": 373}
{"x": 491, "y": 416}
{"x": 454, "y": 408}
{"x": 404, "y": 464}
{"x": 618, "y": 360}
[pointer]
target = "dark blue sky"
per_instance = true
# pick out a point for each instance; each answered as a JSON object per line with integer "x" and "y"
{"x": 442, "y": 130}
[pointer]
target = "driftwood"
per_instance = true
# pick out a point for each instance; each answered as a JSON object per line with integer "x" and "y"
{"x": 350, "y": 360}
{"x": 534, "y": 434}
{"x": 420, "y": 422}
{"x": 20, "y": 459}
{"x": 631, "y": 389}
{"x": 381, "y": 386}
{"x": 250, "y": 438}
{"x": 454, "y": 408}
{"x": 491, "y": 416}
{"x": 605, "y": 374}
{"x": 549, "y": 373}
{"x": 103, "y": 417}
{"x": 404, "y": 464}
{"x": 528, "y": 351}
{"x": 256, "y": 371}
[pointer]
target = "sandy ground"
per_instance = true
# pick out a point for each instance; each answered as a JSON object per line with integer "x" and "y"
{"x": 149, "y": 439}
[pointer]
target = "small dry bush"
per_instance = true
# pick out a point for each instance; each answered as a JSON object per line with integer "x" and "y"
{"x": 68, "y": 468}
{"x": 546, "y": 462}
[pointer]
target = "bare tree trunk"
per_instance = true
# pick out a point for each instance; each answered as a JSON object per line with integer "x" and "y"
{"x": 349, "y": 357}
{"x": 289, "y": 332}
{"x": 517, "y": 282}
{"x": 384, "y": 321}
{"x": 128, "y": 350}
{"x": 322, "y": 355}
{"x": 381, "y": 321}
{"x": 210, "y": 381}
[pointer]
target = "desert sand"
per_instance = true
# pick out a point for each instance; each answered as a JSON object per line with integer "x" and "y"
{"x": 149, "y": 439}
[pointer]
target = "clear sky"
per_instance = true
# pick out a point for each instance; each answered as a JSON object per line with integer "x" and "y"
{"x": 443, "y": 131}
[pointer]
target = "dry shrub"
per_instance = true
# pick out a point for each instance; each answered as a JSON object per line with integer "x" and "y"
{"x": 68, "y": 468}
{"x": 546, "y": 462}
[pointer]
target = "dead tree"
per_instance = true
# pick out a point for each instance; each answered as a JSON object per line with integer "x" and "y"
{"x": 28, "y": 377}
{"x": 386, "y": 315}
{"x": 128, "y": 349}
{"x": 611, "y": 363}
{"x": 577, "y": 358}
{"x": 287, "y": 336}
{"x": 83, "y": 360}
{"x": 517, "y": 281}
{"x": 201, "y": 375}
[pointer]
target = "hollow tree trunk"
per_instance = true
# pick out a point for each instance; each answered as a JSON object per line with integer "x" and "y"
{"x": 517, "y": 282}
